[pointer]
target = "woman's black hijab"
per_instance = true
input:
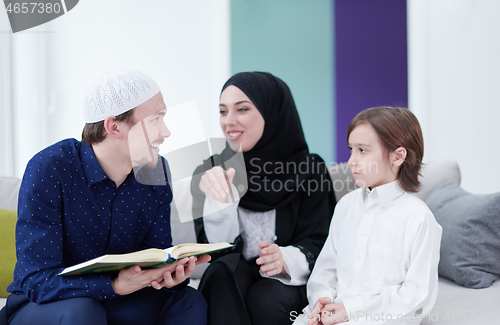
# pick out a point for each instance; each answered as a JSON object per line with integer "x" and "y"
{"x": 279, "y": 165}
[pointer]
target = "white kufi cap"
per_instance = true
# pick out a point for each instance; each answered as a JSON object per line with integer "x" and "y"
{"x": 115, "y": 92}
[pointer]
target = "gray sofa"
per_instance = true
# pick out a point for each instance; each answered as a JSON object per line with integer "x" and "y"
{"x": 455, "y": 304}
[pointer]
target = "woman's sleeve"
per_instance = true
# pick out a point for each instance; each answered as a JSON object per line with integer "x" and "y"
{"x": 214, "y": 221}
{"x": 296, "y": 266}
{"x": 220, "y": 220}
{"x": 219, "y": 224}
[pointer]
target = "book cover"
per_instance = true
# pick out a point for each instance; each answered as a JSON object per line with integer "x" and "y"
{"x": 146, "y": 259}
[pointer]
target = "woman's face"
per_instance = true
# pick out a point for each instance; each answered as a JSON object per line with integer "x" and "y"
{"x": 240, "y": 120}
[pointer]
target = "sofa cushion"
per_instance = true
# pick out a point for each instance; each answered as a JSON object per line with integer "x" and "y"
{"x": 342, "y": 179}
{"x": 470, "y": 245}
{"x": 434, "y": 172}
{"x": 8, "y": 220}
{"x": 458, "y": 305}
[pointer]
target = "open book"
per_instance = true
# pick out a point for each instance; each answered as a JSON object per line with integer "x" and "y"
{"x": 146, "y": 259}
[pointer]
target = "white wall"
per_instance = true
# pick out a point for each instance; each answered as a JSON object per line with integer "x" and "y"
{"x": 6, "y": 147}
{"x": 454, "y": 84}
{"x": 182, "y": 45}
{"x": 454, "y": 72}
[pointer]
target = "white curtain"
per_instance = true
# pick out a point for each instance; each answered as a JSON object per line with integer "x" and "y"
{"x": 6, "y": 119}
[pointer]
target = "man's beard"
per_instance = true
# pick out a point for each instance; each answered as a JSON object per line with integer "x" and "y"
{"x": 151, "y": 164}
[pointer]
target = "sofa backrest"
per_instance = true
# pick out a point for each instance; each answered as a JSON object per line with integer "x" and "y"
{"x": 9, "y": 191}
{"x": 432, "y": 174}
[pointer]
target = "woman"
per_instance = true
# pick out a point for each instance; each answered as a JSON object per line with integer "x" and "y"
{"x": 280, "y": 222}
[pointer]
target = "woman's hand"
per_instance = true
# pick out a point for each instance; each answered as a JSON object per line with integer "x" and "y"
{"x": 270, "y": 259}
{"x": 216, "y": 182}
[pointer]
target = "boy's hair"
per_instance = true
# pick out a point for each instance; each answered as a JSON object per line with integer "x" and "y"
{"x": 397, "y": 127}
{"x": 94, "y": 132}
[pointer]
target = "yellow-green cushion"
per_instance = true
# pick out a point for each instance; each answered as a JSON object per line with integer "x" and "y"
{"x": 8, "y": 220}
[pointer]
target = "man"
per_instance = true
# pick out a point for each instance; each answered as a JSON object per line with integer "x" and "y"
{"x": 105, "y": 195}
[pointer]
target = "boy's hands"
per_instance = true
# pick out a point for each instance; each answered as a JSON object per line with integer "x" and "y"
{"x": 334, "y": 314}
{"x": 134, "y": 278}
{"x": 325, "y": 313}
{"x": 315, "y": 315}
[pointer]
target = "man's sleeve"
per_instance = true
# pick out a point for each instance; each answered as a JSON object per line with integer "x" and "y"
{"x": 39, "y": 243}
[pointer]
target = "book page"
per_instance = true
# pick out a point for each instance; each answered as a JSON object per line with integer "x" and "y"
{"x": 150, "y": 254}
{"x": 148, "y": 258}
{"x": 188, "y": 249}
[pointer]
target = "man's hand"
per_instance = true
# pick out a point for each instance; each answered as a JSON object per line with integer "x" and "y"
{"x": 180, "y": 275}
{"x": 315, "y": 315}
{"x": 270, "y": 259}
{"x": 134, "y": 278}
{"x": 216, "y": 182}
